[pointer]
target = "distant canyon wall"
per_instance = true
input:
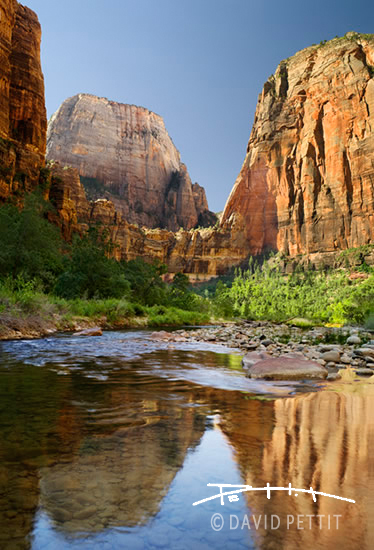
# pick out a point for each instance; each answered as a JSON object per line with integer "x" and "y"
{"x": 125, "y": 154}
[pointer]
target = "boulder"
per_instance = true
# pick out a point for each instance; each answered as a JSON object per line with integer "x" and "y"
{"x": 287, "y": 368}
{"x": 364, "y": 352}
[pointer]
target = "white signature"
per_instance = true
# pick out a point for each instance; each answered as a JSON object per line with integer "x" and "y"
{"x": 233, "y": 495}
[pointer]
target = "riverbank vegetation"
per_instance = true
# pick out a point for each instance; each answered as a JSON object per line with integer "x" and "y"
{"x": 323, "y": 297}
{"x": 48, "y": 283}
{"x": 45, "y": 281}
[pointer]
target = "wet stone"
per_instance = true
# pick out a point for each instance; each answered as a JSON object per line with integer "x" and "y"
{"x": 364, "y": 372}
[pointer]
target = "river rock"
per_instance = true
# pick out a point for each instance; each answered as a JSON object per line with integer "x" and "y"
{"x": 364, "y": 371}
{"x": 161, "y": 335}
{"x": 364, "y": 352}
{"x": 332, "y": 356}
{"x": 94, "y": 331}
{"x": 333, "y": 376}
{"x": 353, "y": 340}
{"x": 287, "y": 368}
{"x": 267, "y": 342}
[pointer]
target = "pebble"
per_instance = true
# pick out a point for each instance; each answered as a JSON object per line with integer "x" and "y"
{"x": 365, "y": 372}
{"x": 353, "y": 340}
{"x": 331, "y": 356}
{"x": 333, "y": 376}
{"x": 364, "y": 352}
{"x": 267, "y": 342}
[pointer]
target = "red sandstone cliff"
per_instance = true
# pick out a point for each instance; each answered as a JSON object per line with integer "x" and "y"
{"x": 306, "y": 186}
{"x": 200, "y": 253}
{"x": 307, "y": 182}
{"x": 23, "y": 122}
{"x": 126, "y": 155}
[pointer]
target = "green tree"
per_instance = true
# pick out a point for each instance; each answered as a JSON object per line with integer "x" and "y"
{"x": 30, "y": 246}
{"x": 147, "y": 286}
{"x": 89, "y": 272}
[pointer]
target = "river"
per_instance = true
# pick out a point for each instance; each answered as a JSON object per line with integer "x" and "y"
{"x": 106, "y": 443}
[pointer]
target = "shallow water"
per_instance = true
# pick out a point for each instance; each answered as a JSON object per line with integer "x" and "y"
{"x": 106, "y": 442}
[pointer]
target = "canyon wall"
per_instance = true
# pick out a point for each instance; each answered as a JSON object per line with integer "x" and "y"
{"x": 23, "y": 120}
{"x": 200, "y": 253}
{"x": 123, "y": 153}
{"x": 306, "y": 186}
{"x": 307, "y": 182}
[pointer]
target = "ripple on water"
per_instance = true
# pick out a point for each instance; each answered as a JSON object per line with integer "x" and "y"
{"x": 99, "y": 358}
{"x": 116, "y": 462}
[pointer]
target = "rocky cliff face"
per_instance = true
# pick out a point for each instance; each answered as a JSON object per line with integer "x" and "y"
{"x": 123, "y": 153}
{"x": 307, "y": 182}
{"x": 200, "y": 253}
{"x": 23, "y": 121}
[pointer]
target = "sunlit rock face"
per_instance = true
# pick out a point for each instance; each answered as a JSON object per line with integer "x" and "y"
{"x": 125, "y": 154}
{"x": 23, "y": 121}
{"x": 307, "y": 182}
{"x": 203, "y": 253}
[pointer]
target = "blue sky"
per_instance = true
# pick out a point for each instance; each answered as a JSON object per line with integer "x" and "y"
{"x": 199, "y": 63}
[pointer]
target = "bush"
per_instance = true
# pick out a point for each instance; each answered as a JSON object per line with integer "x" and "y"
{"x": 322, "y": 297}
{"x": 173, "y": 316}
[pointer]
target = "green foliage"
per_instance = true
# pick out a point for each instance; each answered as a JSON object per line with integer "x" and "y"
{"x": 89, "y": 272}
{"x": 112, "y": 308}
{"x": 24, "y": 298}
{"x": 147, "y": 286}
{"x": 29, "y": 245}
{"x": 163, "y": 316}
{"x": 369, "y": 321}
{"x": 321, "y": 297}
{"x": 44, "y": 178}
{"x": 94, "y": 188}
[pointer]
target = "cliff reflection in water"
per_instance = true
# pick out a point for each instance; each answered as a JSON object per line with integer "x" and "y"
{"x": 120, "y": 478}
{"x": 115, "y": 449}
{"x": 323, "y": 440}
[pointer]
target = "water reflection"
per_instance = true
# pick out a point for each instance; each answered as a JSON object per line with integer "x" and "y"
{"x": 113, "y": 453}
{"x": 322, "y": 440}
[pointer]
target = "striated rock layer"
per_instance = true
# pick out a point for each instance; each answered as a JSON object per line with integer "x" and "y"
{"x": 124, "y": 153}
{"x": 307, "y": 182}
{"x": 23, "y": 121}
{"x": 200, "y": 253}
